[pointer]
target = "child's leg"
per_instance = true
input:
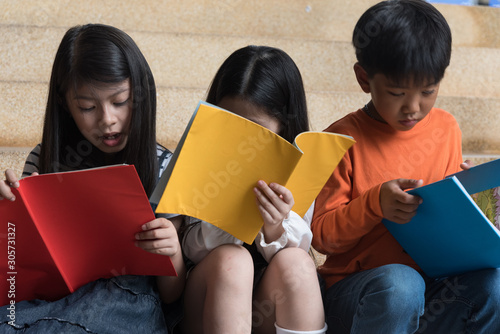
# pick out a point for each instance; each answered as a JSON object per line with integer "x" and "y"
{"x": 218, "y": 293}
{"x": 387, "y": 299}
{"x": 288, "y": 294}
{"x": 466, "y": 303}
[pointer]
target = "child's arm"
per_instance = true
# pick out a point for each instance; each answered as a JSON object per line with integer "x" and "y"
{"x": 397, "y": 205}
{"x": 342, "y": 217}
{"x": 9, "y": 182}
{"x": 159, "y": 236}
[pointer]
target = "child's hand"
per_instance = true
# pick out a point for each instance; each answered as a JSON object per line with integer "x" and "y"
{"x": 397, "y": 205}
{"x": 159, "y": 236}
{"x": 467, "y": 164}
{"x": 274, "y": 202}
{"x": 10, "y": 181}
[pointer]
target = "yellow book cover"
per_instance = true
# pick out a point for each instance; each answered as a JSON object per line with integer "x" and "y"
{"x": 221, "y": 156}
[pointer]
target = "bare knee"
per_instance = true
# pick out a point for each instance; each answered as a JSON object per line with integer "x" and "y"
{"x": 294, "y": 268}
{"x": 230, "y": 263}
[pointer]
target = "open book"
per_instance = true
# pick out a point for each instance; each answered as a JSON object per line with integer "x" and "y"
{"x": 67, "y": 229}
{"x": 450, "y": 234}
{"x": 220, "y": 158}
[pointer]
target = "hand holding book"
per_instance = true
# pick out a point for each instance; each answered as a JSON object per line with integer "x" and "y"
{"x": 450, "y": 234}
{"x": 274, "y": 203}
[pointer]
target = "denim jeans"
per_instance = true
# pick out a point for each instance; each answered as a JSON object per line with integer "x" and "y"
{"x": 123, "y": 304}
{"x": 397, "y": 299}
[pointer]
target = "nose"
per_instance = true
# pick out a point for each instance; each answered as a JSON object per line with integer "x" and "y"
{"x": 412, "y": 105}
{"x": 108, "y": 116}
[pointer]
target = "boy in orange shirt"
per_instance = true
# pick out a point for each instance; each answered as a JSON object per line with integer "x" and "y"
{"x": 403, "y": 48}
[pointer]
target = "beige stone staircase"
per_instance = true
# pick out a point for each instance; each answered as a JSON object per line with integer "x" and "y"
{"x": 186, "y": 41}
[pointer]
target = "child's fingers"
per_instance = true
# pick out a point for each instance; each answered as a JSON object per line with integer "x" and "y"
{"x": 277, "y": 194}
{"x": 10, "y": 181}
{"x": 163, "y": 247}
{"x": 266, "y": 207}
{"x": 408, "y": 208}
{"x": 401, "y": 217}
{"x": 5, "y": 192}
{"x": 157, "y": 229}
{"x": 159, "y": 236}
{"x": 405, "y": 184}
{"x": 403, "y": 197}
{"x": 467, "y": 164}
{"x": 156, "y": 223}
{"x": 159, "y": 233}
{"x": 266, "y": 216}
{"x": 398, "y": 205}
{"x": 11, "y": 178}
{"x": 285, "y": 194}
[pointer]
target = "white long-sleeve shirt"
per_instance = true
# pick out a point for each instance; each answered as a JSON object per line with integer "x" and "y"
{"x": 204, "y": 237}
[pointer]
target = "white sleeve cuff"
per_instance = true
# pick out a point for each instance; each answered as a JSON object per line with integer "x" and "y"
{"x": 297, "y": 234}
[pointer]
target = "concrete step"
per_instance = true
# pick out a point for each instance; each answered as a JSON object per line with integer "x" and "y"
{"x": 13, "y": 158}
{"x": 303, "y": 19}
{"x": 191, "y": 60}
{"x": 22, "y": 107}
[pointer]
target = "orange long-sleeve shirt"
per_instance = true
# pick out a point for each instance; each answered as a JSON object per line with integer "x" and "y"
{"x": 347, "y": 218}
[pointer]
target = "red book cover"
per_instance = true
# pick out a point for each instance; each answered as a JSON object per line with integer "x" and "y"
{"x": 67, "y": 229}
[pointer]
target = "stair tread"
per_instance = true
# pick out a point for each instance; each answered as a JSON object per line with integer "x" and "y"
{"x": 183, "y": 62}
{"x": 309, "y": 19}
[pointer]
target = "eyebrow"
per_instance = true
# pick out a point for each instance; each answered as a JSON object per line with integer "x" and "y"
{"x": 395, "y": 85}
{"x": 83, "y": 97}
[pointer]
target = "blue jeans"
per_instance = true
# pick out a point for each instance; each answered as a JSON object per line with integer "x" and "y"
{"x": 123, "y": 304}
{"x": 397, "y": 299}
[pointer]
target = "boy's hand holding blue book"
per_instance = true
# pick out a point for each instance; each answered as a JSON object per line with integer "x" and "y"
{"x": 398, "y": 205}
{"x": 449, "y": 234}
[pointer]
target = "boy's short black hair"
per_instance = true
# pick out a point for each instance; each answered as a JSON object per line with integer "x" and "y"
{"x": 404, "y": 40}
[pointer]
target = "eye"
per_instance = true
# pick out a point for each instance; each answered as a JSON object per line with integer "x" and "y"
{"x": 428, "y": 92}
{"x": 396, "y": 94}
{"x": 120, "y": 104}
{"x": 83, "y": 109}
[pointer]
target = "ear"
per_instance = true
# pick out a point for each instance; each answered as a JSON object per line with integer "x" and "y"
{"x": 362, "y": 78}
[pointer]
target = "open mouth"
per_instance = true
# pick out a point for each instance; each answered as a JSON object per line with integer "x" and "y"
{"x": 111, "y": 139}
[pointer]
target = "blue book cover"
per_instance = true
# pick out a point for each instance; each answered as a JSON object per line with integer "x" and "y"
{"x": 450, "y": 234}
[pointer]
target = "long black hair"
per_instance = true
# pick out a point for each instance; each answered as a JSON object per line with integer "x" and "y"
{"x": 99, "y": 54}
{"x": 268, "y": 78}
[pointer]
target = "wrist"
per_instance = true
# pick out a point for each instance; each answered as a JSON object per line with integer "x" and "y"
{"x": 272, "y": 232}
